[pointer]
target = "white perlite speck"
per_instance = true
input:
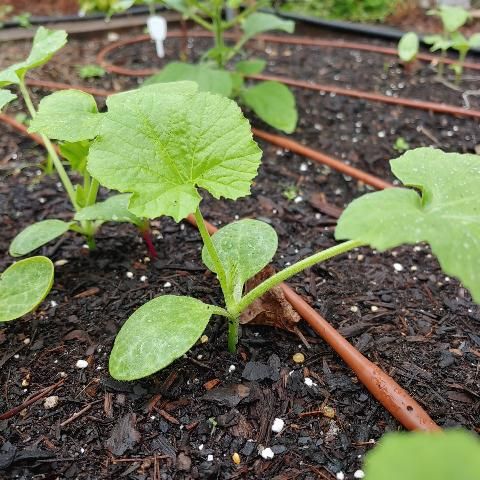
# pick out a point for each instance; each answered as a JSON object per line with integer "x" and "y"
{"x": 81, "y": 364}
{"x": 398, "y": 267}
{"x": 267, "y": 453}
{"x": 309, "y": 382}
{"x": 359, "y": 474}
{"x": 340, "y": 476}
{"x": 278, "y": 425}
{"x": 50, "y": 402}
{"x": 231, "y": 368}
{"x": 210, "y": 458}
{"x": 129, "y": 275}
{"x": 167, "y": 285}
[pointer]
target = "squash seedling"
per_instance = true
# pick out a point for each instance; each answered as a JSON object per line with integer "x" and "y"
{"x": 271, "y": 101}
{"x": 452, "y": 19}
{"x": 163, "y": 143}
{"x": 408, "y": 49}
{"x": 65, "y": 116}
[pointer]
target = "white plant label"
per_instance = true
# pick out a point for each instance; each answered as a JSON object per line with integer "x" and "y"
{"x": 157, "y": 28}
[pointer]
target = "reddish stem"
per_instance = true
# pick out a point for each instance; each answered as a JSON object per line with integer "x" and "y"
{"x": 147, "y": 237}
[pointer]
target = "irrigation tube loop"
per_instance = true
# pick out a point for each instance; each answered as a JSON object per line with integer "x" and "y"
{"x": 393, "y": 397}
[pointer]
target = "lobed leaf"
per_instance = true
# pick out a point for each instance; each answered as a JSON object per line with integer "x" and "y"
{"x": 69, "y": 115}
{"x": 23, "y": 286}
{"x": 207, "y": 78}
{"x": 159, "y": 332}
{"x": 6, "y": 97}
{"x": 161, "y": 143}
{"x": 446, "y": 212}
{"x": 45, "y": 44}
{"x": 263, "y": 22}
{"x": 454, "y": 454}
{"x": 36, "y": 235}
{"x": 244, "y": 247}
{"x": 113, "y": 209}
{"x": 274, "y": 103}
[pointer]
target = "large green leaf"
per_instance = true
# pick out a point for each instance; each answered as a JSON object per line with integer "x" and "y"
{"x": 452, "y": 17}
{"x": 264, "y": 22}
{"x": 23, "y": 286}
{"x": 446, "y": 212}
{"x": 274, "y": 103}
{"x": 36, "y": 235}
{"x": 160, "y": 146}
{"x": 408, "y": 47}
{"x": 113, "y": 209}
{"x": 159, "y": 332}
{"x": 450, "y": 455}
{"x": 69, "y": 115}
{"x": 6, "y": 97}
{"x": 244, "y": 247}
{"x": 45, "y": 44}
{"x": 208, "y": 79}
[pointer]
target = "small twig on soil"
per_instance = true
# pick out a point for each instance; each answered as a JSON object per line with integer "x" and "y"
{"x": 76, "y": 415}
{"x": 429, "y": 134}
{"x": 469, "y": 93}
{"x": 30, "y": 401}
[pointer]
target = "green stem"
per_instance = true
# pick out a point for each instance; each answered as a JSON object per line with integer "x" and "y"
{"x": 222, "y": 278}
{"x": 233, "y": 324}
{"x": 290, "y": 271}
{"x": 244, "y": 14}
{"x": 92, "y": 192}
{"x": 67, "y": 184}
{"x": 219, "y": 43}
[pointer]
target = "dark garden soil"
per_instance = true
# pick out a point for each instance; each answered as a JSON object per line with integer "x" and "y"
{"x": 398, "y": 308}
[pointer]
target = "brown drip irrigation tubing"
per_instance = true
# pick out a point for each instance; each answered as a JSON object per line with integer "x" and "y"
{"x": 372, "y": 96}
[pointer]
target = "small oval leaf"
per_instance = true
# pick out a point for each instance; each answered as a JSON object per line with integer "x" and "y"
{"x": 6, "y": 97}
{"x": 446, "y": 214}
{"x": 408, "y": 47}
{"x": 244, "y": 247}
{"x": 159, "y": 332}
{"x": 23, "y": 286}
{"x": 36, "y": 235}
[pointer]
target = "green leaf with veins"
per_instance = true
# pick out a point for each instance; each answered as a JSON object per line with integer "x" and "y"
{"x": 69, "y": 115}
{"x": 449, "y": 200}
{"x": 251, "y": 67}
{"x": 208, "y": 79}
{"x": 6, "y": 97}
{"x": 45, "y": 44}
{"x": 263, "y": 22}
{"x": 76, "y": 153}
{"x": 454, "y": 454}
{"x": 158, "y": 333}
{"x": 37, "y": 235}
{"x": 113, "y": 209}
{"x": 244, "y": 248}
{"x": 274, "y": 103}
{"x": 23, "y": 286}
{"x": 162, "y": 145}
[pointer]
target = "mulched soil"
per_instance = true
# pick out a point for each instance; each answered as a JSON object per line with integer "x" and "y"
{"x": 417, "y": 324}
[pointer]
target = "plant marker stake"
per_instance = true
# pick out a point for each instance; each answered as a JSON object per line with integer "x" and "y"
{"x": 384, "y": 388}
{"x": 157, "y": 28}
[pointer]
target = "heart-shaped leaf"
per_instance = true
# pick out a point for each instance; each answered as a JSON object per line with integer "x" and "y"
{"x": 69, "y": 115}
{"x": 244, "y": 247}
{"x": 159, "y": 332}
{"x": 113, "y": 209}
{"x": 36, "y": 235}
{"x": 446, "y": 213}
{"x": 23, "y": 286}
{"x": 161, "y": 144}
{"x": 6, "y": 97}
{"x": 274, "y": 103}
{"x": 264, "y": 22}
{"x": 251, "y": 67}
{"x": 208, "y": 79}
{"x": 454, "y": 454}
{"x": 45, "y": 44}
{"x": 408, "y": 47}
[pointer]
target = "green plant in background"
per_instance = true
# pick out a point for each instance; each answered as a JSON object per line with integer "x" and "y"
{"x": 454, "y": 454}
{"x": 452, "y": 18}
{"x": 272, "y": 101}
{"x": 160, "y": 144}
{"x": 401, "y": 145}
{"x": 290, "y": 192}
{"x": 23, "y": 19}
{"x": 353, "y": 10}
{"x": 462, "y": 45}
{"x": 408, "y": 47}
{"x": 90, "y": 71}
{"x": 5, "y": 10}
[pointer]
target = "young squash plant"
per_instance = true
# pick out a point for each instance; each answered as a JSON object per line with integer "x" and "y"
{"x": 271, "y": 101}
{"x": 64, "y": 116}
{"x": 163, "y": 143}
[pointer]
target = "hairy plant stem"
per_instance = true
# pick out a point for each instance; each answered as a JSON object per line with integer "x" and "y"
{"x": 220, "y": 271}
{"x": 67, "y": 184}
{"x": 290, "y": 271}
{"x": 219, "y": 42}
